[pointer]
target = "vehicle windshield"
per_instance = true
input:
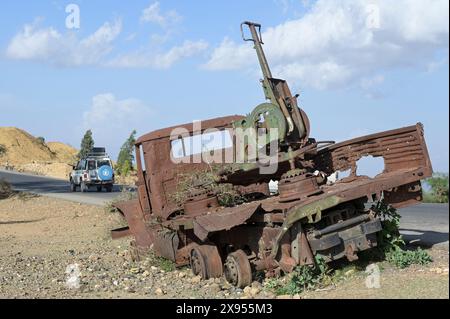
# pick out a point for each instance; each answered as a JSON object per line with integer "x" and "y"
{"x": 103, "y": 163}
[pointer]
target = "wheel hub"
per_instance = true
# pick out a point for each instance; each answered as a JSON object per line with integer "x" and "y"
{"x": 237, "y": 269}
{"x": 206, "y": 262}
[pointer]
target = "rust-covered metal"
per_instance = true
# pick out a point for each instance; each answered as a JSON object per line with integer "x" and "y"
{"x": 297, "y": 184}
{"x": 313, "y": 213}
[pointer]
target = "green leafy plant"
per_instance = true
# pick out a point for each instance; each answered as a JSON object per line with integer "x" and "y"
{"x": 389, "y": 237}
{"x": 405, "y": 258}
{"x": 304, "y": 278}
{"x": 391, "y": 244}
{"x": 165, "y": 264}
{"x": 439, "y": 188}
{"x": 2, "y": 150}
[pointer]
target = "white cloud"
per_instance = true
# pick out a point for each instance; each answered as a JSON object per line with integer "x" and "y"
{"x": 49, "y": 45}
{"x": 159, "y": 60}
{"x": 230, "y": 55}
{"x": 339, "y": 43}
{"x": 106, "y": 110}
{"x": 152, "y": 14}
{"x": 112, "y": 120}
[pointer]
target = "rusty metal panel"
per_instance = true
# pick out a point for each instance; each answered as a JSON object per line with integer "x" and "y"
{"x": 402, "y": 149}
{"x": 163, "y": 175}
{"x": 220, "y": 122}
{"x": 165, "y": 244}
{"x": 223, "y": 220}
{"x": 134, "y": 216}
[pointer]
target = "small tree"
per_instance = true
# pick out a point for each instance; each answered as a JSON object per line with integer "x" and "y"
{"x": 41, "y": 140}
{"x": 87, "y": 143}
{"x": 126, "y": 156}
{"x": 2, "y": 150}
{"x": 439, "y": 187}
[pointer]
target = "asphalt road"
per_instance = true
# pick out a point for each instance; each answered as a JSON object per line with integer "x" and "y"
{"x": 57, "y": 188}
{"x": 424, "y": 224}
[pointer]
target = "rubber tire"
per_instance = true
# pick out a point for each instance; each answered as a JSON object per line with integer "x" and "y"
{"x": 242, "y": 267}
{"x": 109, "y": 188}
{"x": 73, "y": 186}
{"x": 84, "y": 188}
{"x": 210, "y": 263}
{"x": 99, "y": 189}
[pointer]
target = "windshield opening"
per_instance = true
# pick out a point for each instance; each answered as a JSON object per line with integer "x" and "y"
{"x": 103, "y": 163}
{"x": 91, "y": 165}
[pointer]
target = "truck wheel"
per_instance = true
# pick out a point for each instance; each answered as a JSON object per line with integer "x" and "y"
{"x": 73, "y": 186}
{"x": 205, "y": 262}
{"x": 83, "y": 187}
{"x": 237, "y": 269}
{"x": 109, "y": 188}
{"x": 99, "y": 189}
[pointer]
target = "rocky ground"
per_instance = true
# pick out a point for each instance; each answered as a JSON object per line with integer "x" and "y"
{"x": 56, "y": 249}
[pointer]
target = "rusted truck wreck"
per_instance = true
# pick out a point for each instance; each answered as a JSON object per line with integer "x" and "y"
{"x": 311, "y": 213}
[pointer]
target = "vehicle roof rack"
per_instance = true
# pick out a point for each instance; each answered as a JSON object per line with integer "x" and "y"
{"x": 97, "y": 152}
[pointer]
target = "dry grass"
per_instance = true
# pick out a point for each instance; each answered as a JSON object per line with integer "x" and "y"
{"x": 227, "y": 195}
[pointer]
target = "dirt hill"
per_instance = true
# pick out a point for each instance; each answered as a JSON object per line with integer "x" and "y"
{"x": 64, "y": 152}
{"x": 26, "y": 153}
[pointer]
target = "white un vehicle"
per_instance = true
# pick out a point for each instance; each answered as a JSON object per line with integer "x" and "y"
{"x": 95, "y": 170}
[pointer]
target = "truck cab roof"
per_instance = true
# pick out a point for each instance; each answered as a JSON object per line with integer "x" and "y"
{"x": 166, "y": 132}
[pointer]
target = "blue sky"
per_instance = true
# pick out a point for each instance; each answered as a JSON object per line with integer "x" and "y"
{"x": 360, "y": 66}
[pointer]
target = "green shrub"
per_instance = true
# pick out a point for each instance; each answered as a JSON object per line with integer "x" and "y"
{"x": 41, "y": 140}
{"x": 428, "y": 197}
{"x": 5, "y": 189}
{"x": 165, "y": 264}
{"x": 405, "y": 258}
{"x": 303, "y": 278}
{"x": 389, "y": 237}
{"x": 2, "y": 150}
{"x": 439, "y": 188}
{"x": 226, "y": 194}
{"x": 391, "y": 244}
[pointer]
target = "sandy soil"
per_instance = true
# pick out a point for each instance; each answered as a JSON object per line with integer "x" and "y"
{"x": 415, "y": 282}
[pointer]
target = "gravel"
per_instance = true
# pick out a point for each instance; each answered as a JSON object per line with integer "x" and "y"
{"x": 57, "y": 249}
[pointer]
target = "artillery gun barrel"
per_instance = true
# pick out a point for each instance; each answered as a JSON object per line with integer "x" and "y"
{"x": 257, "y": 40}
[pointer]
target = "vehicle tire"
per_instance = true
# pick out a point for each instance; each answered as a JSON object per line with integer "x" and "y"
{"x": 99, "y": 189}
{"x": 237, "y": 270}
{"x": 73, "y": 186}
{"x": 205, "y": 262}
{"x": 109, "y": 188}
{"x": 83, "y": 187}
